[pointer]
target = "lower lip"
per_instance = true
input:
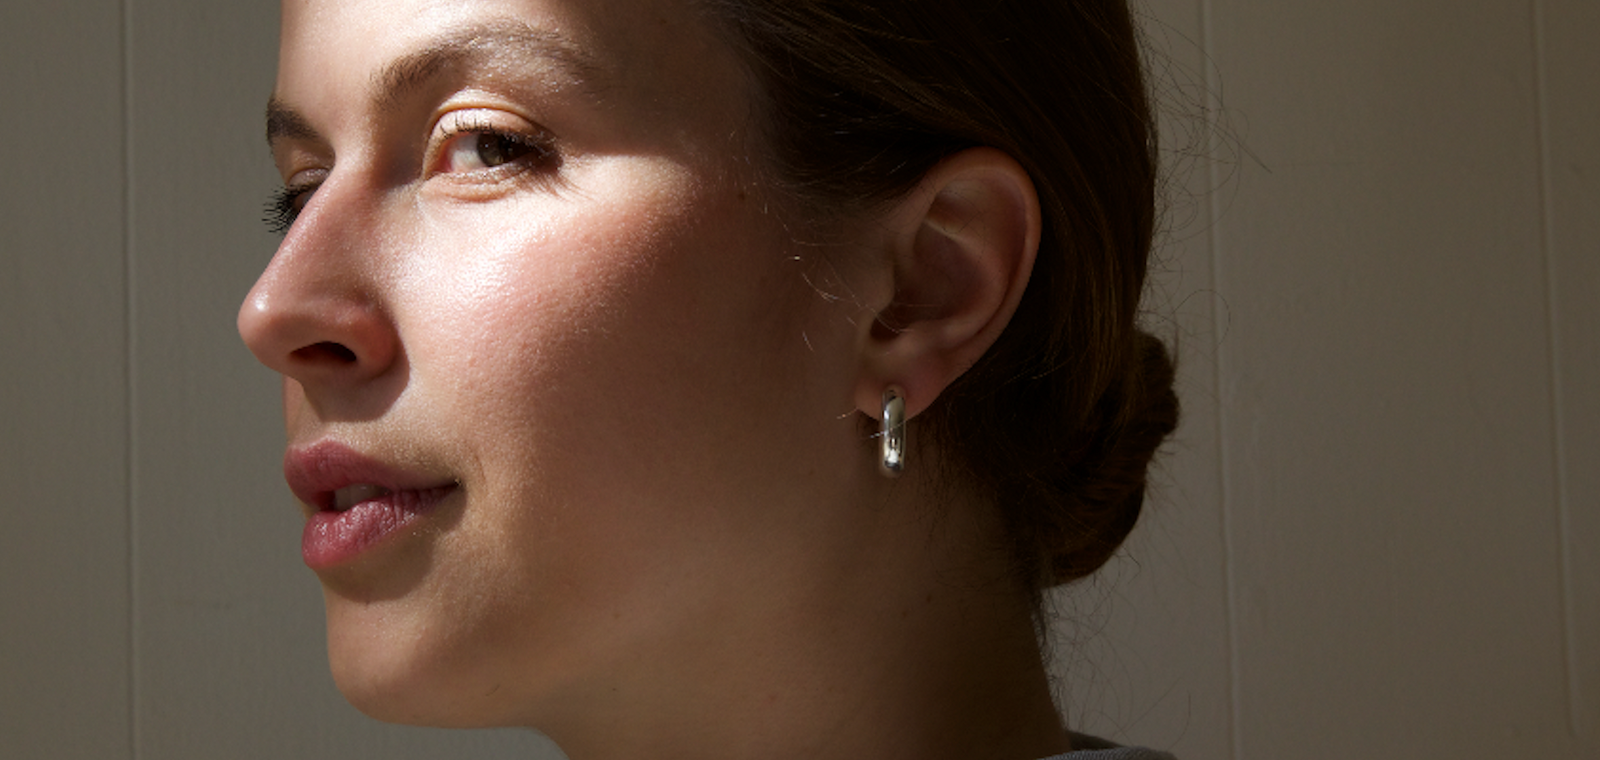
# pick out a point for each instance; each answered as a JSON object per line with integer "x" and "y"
{"x": 333, "y": 538}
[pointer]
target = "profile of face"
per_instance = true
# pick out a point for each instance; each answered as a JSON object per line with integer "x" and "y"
{"x": 556, "y": 380}
{"x": 574, "y": 415}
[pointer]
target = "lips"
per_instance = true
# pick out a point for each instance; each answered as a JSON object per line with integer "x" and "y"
{"x": 358, "y": 502}
{"x": 349, "y": 496}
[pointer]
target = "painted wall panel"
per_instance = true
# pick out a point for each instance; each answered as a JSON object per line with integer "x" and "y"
{"x": 63, "y": 412}
{"x": 1396, "y": 539}
{"x": 1572, "y": 133}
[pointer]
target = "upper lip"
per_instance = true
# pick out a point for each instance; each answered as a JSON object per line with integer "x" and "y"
{"x": 316, "y": 471}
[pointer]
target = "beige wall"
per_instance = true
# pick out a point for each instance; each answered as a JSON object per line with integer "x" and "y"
{"x": 1378, "y": 534}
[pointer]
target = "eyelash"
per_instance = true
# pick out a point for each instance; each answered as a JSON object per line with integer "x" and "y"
{"x": 285, "y": 204}
{"x": 539, "y": 146}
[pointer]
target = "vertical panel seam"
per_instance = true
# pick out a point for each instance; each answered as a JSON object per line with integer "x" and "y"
{"x": 1553, "y": 348}
{"x": 1213, "y": 104}
{"x": 130, "y": 420}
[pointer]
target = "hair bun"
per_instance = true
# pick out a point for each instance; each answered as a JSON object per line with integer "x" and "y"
{"x": 1105, "y": 494}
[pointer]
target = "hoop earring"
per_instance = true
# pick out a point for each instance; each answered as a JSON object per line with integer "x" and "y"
{"x": 892, "y": 433}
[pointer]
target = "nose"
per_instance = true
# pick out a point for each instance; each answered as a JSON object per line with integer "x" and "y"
{"x": 317, "y": 314}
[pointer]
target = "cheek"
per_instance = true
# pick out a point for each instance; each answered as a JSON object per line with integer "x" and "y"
{"x": 617, "y": 356}
{"x": 653, "y": 278}
{"x": 546, "y": 262}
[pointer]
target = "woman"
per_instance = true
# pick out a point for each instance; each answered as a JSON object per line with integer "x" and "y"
{"x": 607, "y": 326}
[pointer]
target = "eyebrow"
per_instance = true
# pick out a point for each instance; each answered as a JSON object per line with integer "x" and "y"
{"x": 285, "y": 122}
{"x": 495, "y": 45}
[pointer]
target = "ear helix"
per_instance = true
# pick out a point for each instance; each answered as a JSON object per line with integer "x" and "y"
{"x": 892, "y": 433}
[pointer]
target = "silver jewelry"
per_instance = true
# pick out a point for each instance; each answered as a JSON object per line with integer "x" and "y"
{"x": 892, "y": 433}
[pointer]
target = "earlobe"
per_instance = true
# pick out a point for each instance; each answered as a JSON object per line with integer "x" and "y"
{"x": 962, "y": 246}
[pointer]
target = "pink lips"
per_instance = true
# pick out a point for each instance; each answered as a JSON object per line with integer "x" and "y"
{"x": 359, "y": 501}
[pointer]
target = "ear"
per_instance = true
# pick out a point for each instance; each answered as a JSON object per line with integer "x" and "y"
{"x": 961, "y": 247}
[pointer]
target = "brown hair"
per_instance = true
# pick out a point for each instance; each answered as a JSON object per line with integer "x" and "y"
{"x": 1060, "y": 418}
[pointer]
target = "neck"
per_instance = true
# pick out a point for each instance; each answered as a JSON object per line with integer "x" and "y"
{"x": 919, "y": 647}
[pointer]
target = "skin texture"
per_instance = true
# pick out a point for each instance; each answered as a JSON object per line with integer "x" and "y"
{"x": 669, "y": 536}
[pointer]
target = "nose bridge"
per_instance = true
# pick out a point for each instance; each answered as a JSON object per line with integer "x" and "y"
{"x": 318, "y": 312}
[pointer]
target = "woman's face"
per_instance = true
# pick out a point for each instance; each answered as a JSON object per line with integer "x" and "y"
{"x": 562, "y": 405}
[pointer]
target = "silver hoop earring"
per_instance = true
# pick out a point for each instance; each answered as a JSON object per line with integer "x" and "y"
{"x": 892, "y": 433}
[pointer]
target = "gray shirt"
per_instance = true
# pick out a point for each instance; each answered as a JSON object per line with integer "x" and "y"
{"x": 1091, "y": 748}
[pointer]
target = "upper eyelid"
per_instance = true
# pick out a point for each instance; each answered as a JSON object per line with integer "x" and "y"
{"x": 485, "y": 117}
{"x": 481, "y": 119}
{"x": 295, "y": 162}
{"x": 319, "y": 176}
{"x": 460, "y": 120}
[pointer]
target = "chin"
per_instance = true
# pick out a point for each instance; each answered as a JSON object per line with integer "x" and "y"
{"x": 393, "y": 673}
{"x": 401, "y": 662}
{"x": 380, "y": 682}
{"x": 380, "y": 699}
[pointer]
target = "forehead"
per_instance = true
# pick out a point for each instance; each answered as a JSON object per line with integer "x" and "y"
{"x": 656, "y": 57}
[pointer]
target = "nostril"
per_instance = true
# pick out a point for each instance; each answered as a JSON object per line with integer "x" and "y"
{"x": 326, "y": 351}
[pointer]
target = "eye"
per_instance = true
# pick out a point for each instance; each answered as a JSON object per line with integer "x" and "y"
{"x": 286, "y": 203}
{"x": 468, "y": 143}
{"x": 485, "y": 150}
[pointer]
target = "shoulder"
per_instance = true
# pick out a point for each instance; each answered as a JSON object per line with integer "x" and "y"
{"x": 1091, "y": 748}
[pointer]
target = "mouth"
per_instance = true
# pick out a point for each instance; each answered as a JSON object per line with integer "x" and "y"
{"x": 356, "y": 502}
{"x": 349, "y": 496}
{"x": 368, "y": 496}
{"x": 330, "y": 477}
{"x": 415, "y": 500}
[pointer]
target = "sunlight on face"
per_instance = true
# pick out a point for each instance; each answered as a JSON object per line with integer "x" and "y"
{"x": 538, "y": 329}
